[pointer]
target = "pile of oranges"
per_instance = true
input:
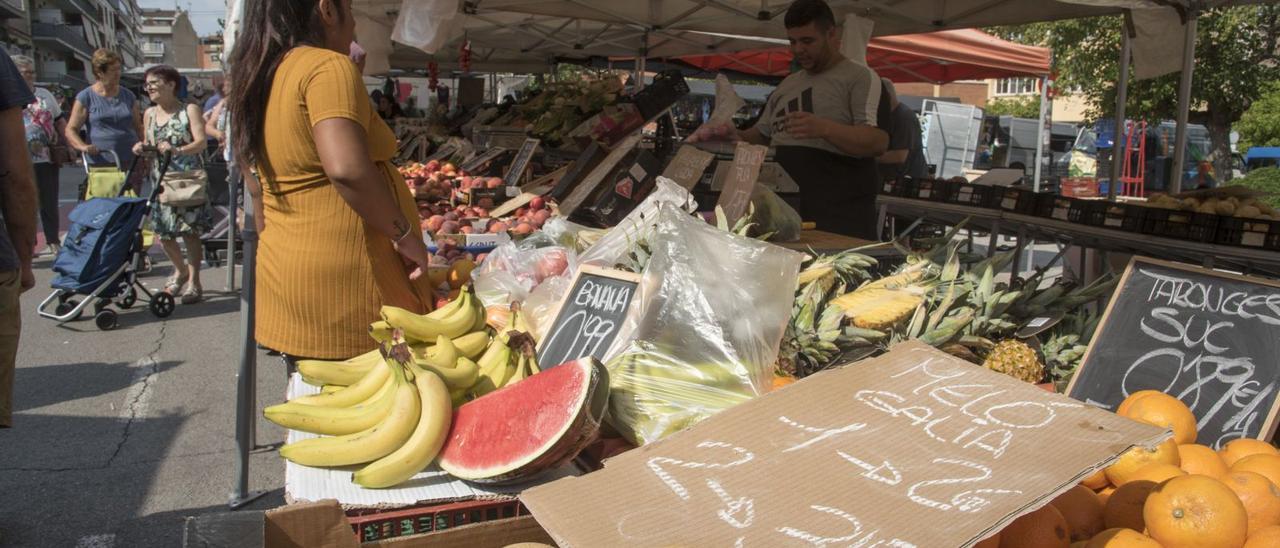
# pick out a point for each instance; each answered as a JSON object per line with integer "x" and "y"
{"x": 1177, "y": 494}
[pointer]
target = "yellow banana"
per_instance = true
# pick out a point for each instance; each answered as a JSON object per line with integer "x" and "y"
{"x": 372, "y": 443}
{"x": 493, "y": 367}
{"x": 472, "y": 345}
{"x": 443, "y": 355}
{"x": 423, "y": 445}
{"x": 424, "y": 328}
{"x": 447, "y": 310}
{"x": 457, "y": 397}
{"x": 341, "y": 372}
{"x": 481, "y": 318}
{"x": 334, "y": 421}
{"x": 353, "y": 394}
{"x": 463, "y": 375}
{"x": 331, "y": 388}
{"x": 380, "y": 331}
{"x": 518, "y": 373}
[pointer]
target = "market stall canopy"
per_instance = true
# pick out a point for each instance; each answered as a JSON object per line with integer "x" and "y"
{"x": 936, "y": 57}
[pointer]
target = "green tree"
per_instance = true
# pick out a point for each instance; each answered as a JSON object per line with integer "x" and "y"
{"x": 1236, "y": 58}
{"x": 1019, "y": 107}
{"x": 1260, "y": 125}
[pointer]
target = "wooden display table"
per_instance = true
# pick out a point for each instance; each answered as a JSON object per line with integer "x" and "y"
{"x": 828, "y": 242}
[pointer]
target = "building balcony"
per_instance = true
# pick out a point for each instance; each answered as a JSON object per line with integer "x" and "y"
{"x": 151, "y": 49}
{"x": 65, "y": 38}
{"x": 12, "y": 9}
{"x": 81, "y": 7}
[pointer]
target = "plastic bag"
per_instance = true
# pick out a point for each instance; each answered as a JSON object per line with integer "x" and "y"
{"x": 515, "y": 269}
{"x": 615, "y": 244}
{"x": 719, "y": 126}
{"x": 773, "y": 215}
{"x": 427, "y": 24}
{"x": 712, "y": 310}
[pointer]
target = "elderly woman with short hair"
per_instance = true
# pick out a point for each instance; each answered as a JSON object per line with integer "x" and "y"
{"x": 43, "y": 122}
{"x": 115, "y": 122}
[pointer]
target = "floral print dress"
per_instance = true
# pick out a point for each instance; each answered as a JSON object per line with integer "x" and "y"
{"x": 173, "y": 222}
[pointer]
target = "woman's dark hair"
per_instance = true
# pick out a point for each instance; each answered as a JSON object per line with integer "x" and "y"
{"x": 166, "y": 73}
{"x": 803, "y": 12}
{"x": 269, "y": 29}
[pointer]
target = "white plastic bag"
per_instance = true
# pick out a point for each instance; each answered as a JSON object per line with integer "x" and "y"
{"x": 712, "y": 310}
{"x": 614, "y": 245}
{"x": 427, "y": 24}
{"x": 515, "y": 269}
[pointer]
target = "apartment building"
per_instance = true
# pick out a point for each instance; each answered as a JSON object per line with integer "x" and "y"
{"x": 169, "y": 38}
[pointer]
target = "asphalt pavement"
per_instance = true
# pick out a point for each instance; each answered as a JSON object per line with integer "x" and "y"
{"x": 120, "y": 435}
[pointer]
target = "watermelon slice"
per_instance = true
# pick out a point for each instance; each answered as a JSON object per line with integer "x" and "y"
{"x": 537, "y": 424}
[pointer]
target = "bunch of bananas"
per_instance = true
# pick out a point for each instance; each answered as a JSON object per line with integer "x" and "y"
{"x": 369, "y": 406}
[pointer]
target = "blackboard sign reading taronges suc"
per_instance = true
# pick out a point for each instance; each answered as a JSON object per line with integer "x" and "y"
{"x": 590, "y": 316}
{"x": 1207, "y": 338}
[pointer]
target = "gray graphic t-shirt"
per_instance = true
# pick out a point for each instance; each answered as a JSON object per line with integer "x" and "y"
{"x": 847, "y": 93}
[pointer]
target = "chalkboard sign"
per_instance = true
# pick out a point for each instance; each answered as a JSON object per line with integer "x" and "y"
{"x": 1208, "y": 338}
{"x": 521, "y": 163}
{"x": 596, "y": 177}
{"x": 445, "y": 151}
{"x": 589, "y": 317}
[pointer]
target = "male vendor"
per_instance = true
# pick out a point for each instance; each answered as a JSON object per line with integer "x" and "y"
{"x": 825, "y": 125}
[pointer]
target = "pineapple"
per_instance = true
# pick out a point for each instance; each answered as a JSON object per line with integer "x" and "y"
{"x": 1016, "y": 359}
{"x": 881, "y": 308}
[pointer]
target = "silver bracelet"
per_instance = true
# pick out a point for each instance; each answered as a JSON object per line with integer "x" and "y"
{"x": 407, "y": 230}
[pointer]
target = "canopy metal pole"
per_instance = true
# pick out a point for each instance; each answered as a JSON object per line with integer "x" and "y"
{"x": 233, "y": 186}
{"x": 1184, "y": 102}
{"x": 247, "y": 378}
{"x": 1119, "y": 154}
{"x": 1042, "y": 132}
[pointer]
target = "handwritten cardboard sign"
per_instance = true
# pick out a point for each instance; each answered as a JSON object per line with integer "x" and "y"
{"x": 913, "y": 448}
{"x": 521, "y": 162}
{"x": 687, "y": 167}
{"x": 736, "y": 195}
{"x": 597, "y": 176}
{"x": 590, "y": 316}
{"x": 1208, "y": 338}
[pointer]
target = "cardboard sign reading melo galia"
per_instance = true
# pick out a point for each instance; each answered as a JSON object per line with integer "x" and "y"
{"x": 913, "y": 448}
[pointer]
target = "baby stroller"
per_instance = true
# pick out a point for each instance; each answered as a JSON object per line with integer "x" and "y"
{"x": 101, "y": 255}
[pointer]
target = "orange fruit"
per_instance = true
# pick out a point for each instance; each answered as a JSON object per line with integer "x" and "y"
{"x": 992, "y": 541}
{"x": 1128, "y": 402}
{"x": 460, "y": 272}
{"x": 1267, "y": 537}
{"x": 1267, "y": 465}
{"x": 1157, "y": 473}
{"x": 1124, "y": 507}
{"x": 1082, "y": 509}
{"x": 1201, "y": 459}
{"x": 1196, "y": 511}
{"x": 780, "y": 381}
{"x": 1137, "y": 458}
{"x": 1122, "y": 538}
{"x": 1167, "y": 411}
{"x": 1043, "y": 528}
{"x": 1105, "y": 493}
{"x": 1260, "y": 497}
{"x": 1097, "y": 481}
{"x": 1237, "y": 449}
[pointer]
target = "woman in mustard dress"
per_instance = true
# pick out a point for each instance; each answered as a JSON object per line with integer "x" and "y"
{"x": 340, "y": 237}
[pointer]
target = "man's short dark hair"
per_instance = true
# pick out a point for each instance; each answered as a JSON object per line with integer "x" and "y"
{"x": 803, "y": 12}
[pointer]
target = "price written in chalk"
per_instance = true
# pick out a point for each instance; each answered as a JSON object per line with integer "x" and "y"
{"x": 590, "y": 317}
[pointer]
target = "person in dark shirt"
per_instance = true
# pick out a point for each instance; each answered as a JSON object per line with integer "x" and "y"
{"x": 17, "y": 223}
{"x": 905, "y": 157}
{"x": 826, "y": 123}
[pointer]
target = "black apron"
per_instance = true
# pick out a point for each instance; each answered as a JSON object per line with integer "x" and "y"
{"x": 837, "y": 192}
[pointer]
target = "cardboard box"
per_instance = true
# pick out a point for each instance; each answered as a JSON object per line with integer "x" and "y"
{"x": 323, "y": 525}
{"x": 913, "y": 448}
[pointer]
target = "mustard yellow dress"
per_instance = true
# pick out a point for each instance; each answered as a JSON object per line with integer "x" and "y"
{"x": 322, "y": 272}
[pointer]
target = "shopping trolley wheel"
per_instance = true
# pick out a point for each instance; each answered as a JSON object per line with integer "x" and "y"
{"x": 106, "y": 320}
{"x": 162, "y": 305}
{"x": 100, "y": 305}
{"x": 129, "y": 299}
{"x": 66, "y": 307}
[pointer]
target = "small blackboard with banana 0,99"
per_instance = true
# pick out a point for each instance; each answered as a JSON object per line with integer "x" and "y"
{"x": 590, "y": 317}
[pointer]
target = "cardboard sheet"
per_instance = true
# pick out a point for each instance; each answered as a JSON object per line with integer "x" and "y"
{"x": 431, "y": 486}
{"x": 914, "y": 448}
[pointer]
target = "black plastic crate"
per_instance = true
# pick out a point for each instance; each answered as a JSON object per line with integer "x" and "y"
{"x": 974, "y": 195}
{"x": 1017, "y": 199}
{"x": 1056, "y": 207}
{"x": 1180, "y": 225}
{"x": 1124, "y": 216}
{"x": 660, "y": 95}
{"x": 1255, "y": 233}
{"x": 898, "y": 187}
{"x": 929, "y": 189}
{"x": 1044, "y": 205}
{"x": 1087, "y": 212}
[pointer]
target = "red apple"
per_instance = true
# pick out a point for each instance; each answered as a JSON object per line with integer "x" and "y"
{"x": 450, "y": 227}
{"x": 537, "y": 203}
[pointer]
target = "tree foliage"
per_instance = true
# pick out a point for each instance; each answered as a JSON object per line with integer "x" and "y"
{"x": 1260, "y": 125}
{"x": 1020, "y": 107}
{"x": 1236, "y": 58}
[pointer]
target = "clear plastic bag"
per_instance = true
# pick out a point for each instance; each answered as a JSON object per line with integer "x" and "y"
{"x": 712, "y": 310}
{"x": 615, "y": 244}
{"x": 427, "y": 24}
{"x": 514, "y": 270}
{"x": 719, "y": 126}
{"x": 774, "y": 216}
